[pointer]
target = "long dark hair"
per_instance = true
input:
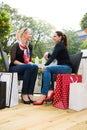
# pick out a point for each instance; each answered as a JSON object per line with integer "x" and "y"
{"x": 64, "y": 37}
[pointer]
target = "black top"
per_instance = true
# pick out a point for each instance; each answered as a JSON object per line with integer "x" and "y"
{"x": 17, "y": 53}
{"x": 60, "y": 53}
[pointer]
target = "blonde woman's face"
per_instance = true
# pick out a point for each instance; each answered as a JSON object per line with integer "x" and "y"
{"x": 27, "y": 35}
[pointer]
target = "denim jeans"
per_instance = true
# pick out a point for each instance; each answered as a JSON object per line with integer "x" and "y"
{"x": 29, "y": 72}
{"x": 47, "y": 76}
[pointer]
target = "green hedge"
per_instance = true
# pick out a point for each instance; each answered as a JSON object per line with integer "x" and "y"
{"x": 33, "y": 60}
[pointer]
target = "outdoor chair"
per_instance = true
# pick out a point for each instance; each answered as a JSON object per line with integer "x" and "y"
{"x": 75, "y": 60}
{"x": 6, "y": 63}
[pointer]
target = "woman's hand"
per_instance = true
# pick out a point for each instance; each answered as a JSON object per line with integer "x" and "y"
{"x": 46, "y": 55}
{"x": 31, "y": 63}
{"x": 43, "y": 68}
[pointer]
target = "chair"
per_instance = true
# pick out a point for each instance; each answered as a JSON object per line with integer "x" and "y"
{"x": 6, "y": 64}
{"x": 5, "y": 60}
{"x": 75, "y": 60}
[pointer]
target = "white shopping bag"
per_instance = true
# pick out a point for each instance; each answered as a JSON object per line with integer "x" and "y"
{"x": 78, "y": 96}
{"x": 11, "y": 80}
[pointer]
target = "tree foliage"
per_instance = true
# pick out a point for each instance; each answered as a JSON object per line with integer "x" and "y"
{"x": 83, "y": 22}
{"x": 74, "y": 44}
{"x": 41, "y": 30}
{"x": 5, "y": 27}
{"x": 84, "y": 45}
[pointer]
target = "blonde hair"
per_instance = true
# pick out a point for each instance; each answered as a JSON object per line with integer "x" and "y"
{"x": 20, "y": 33}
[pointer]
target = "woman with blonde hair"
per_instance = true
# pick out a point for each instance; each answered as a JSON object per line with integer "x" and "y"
{"x": 21, "y": 53}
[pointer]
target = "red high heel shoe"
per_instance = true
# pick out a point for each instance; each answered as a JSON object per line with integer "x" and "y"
{"x": 39, "y": 102}
{"x": 50, "y": 97}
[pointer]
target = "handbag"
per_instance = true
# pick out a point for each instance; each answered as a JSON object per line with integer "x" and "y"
{"x": 78, "y": 96}
{"x": 61, "y": 92}
{"x": 2, "y": 94}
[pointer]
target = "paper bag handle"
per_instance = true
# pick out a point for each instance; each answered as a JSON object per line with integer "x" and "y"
{"x": 73, "y": 80}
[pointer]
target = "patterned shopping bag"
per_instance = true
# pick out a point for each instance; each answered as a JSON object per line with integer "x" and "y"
{"x": 61, "y": 96}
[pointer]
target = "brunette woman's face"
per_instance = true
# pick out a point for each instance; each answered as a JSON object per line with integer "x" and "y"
{"x": 56, "y": 38}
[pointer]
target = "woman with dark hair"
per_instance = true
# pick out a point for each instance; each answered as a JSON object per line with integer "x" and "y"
{"x": 63, "y": 66}
{"x": 21, "y": 53}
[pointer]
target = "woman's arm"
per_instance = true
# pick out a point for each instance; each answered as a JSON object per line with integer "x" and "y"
{"x": 16, "y": 62}
{"x": 13, "y": 55}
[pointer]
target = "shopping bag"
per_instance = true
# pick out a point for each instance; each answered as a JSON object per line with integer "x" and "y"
{"x": 78, "y": 96}
{"x": 61, "y": 96}
{"x": 2, "y": 94}
{"x": 11, "y": 80}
